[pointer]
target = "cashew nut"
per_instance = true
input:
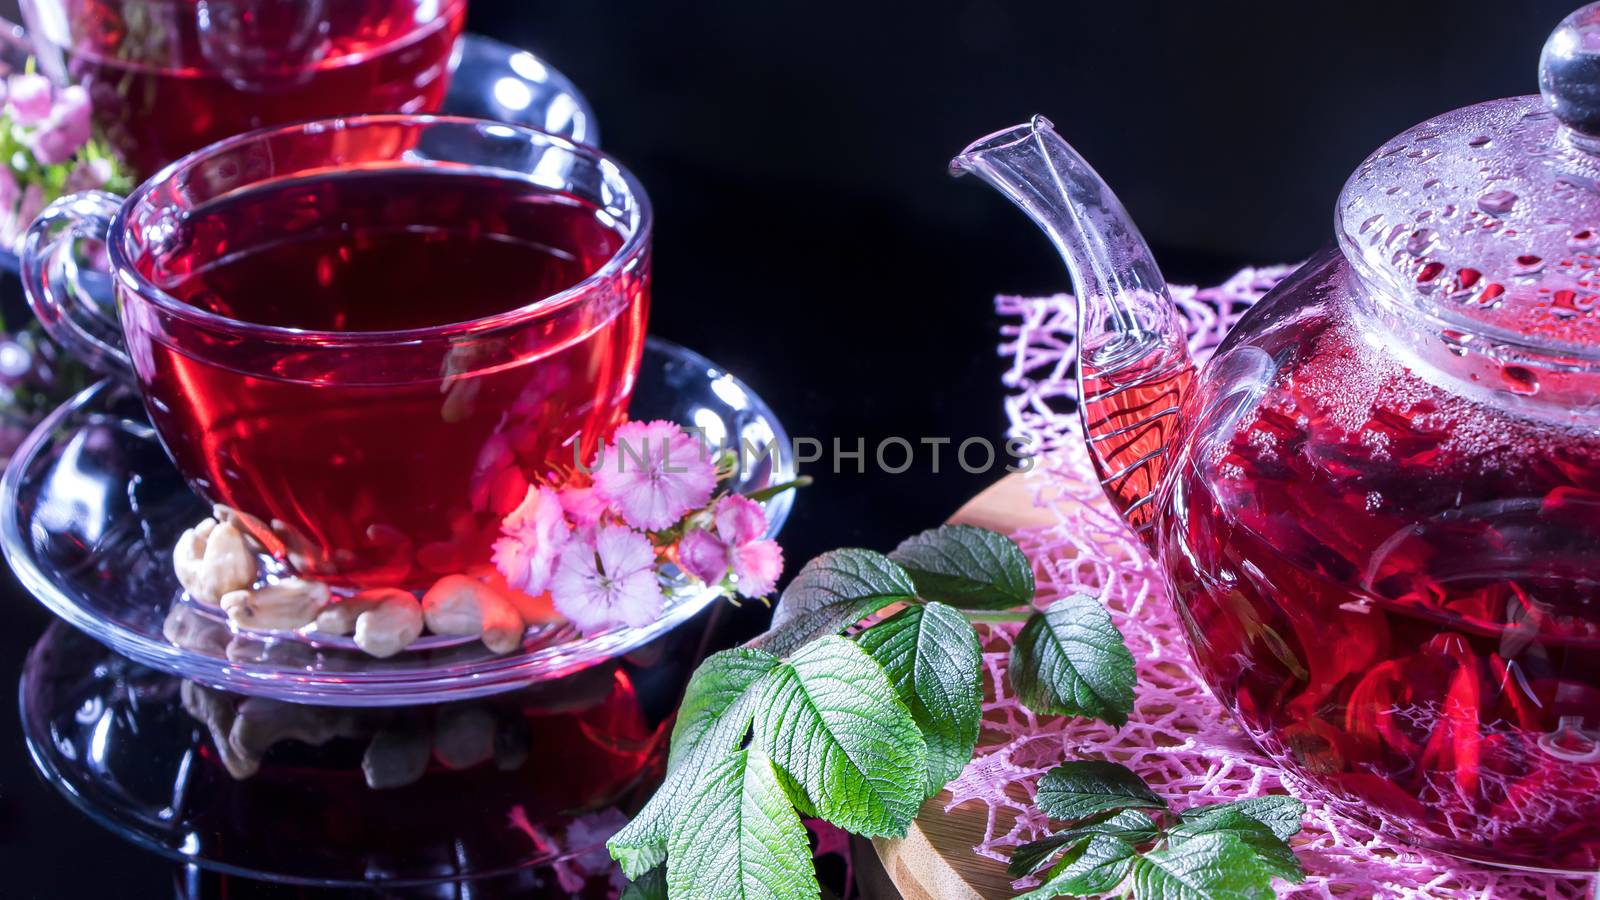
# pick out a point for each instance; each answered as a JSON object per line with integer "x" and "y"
{"x": 255, "y": 531}
{"x": 389, "y": 626}
{"x": 457, "y": 604}
{"x": 339, "y": 616}
{"x": 464, "y": 736}
{"x": 535, "y": 611}
{"x": 397, "y": 756}
{"x": 284, "y": 605}
{"x": 212, "y": 559}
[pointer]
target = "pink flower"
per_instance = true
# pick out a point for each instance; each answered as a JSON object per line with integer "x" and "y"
{"x": 653, "y": 473}
{"x": 88, "y": 175}
{"x": 704, "y": 556}
{"x": 584, "y": 505}
{"x": 607, "y": 582}
{"x": 737, "y": 546}
{"x": 29, "y": 99}
{"x": 533, "y": 535}
{"x": 66, "y": 130}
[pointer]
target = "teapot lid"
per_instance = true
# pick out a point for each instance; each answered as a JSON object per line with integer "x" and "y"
{"x": 1487, "y": 218}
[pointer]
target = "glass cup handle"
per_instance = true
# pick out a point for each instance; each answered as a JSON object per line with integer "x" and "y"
{"x": 62, "y": 291}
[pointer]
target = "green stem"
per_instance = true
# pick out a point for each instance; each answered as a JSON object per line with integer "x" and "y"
{"x": 767, "y": 493}
{"x": 997, "y": 616}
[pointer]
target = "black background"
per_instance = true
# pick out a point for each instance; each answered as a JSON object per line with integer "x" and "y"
{"x": 809, "y": 239}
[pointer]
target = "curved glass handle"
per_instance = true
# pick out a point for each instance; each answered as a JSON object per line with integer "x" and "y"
{"x": 74, "y": 304}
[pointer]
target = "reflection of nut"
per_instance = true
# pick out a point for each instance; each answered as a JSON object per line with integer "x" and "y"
{"x": 186, "y": 628}
{"x": 389, "y": 626}
{"x": 464, "y": 736}
{"x": 260, "y": 723}
{"x": 512, "y": 744}
{"x": 397, "y": 756}
{"x": 285, "y": 605}
{"x": 215, "y": 709}
{"x": 457, "y": 604}
{"x": 211, "y": 559}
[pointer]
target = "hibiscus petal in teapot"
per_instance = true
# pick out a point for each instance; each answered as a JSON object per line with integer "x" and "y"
{"x": 1378, "y": 505}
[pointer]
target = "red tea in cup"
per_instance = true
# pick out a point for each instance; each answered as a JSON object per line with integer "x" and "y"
{"x": 374, "y": 335}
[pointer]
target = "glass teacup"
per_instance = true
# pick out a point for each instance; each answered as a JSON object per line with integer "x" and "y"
{"x": 167, "y": 77}
{"x": 372, "y": 334}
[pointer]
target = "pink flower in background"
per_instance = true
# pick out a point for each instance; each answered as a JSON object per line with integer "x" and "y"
{"x": 607, "y": 582}
{"x": 653, "y": 473}
{"x": 532, "y": 537}
{"x": 66, "y": 129}
{"x": 88, "y": 175}
{"x": 735, "y": 544}
{"x": 29, "y": 97}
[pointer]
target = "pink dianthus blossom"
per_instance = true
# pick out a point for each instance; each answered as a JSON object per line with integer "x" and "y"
{"x": 653, "y": 472}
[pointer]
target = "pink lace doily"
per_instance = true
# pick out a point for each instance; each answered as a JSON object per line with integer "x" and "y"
{"x": 1179, "y": 737}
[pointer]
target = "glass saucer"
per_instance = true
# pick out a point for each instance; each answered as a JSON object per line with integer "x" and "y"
{"x": 522, "y": 789}
{"x": 92, "y": 508}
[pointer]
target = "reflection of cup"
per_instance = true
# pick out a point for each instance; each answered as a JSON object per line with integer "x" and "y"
{"x": 167, "y": 77}
{"x": 369, "y": 334}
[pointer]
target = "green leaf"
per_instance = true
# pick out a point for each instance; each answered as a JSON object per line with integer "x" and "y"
{"x": 830, "y": 720}
{"x": 1279, "y": 812}
{"x": 831, "y": 593}
{"x": 1094, "y": 868}
{"x": 1077, "y": 790}
{"x": 713, "y": 689}
{"x": 642, "y": 844}
{"x": 932, "y": 657}
{"x": 1208, "y": 867}
{"x": 1271, "y": 851}
{"x": 1070, "y": 660}
{"x": 967, "y": 567}
{"x": 1129, "y": 825}
{"x": 740, "y": 839}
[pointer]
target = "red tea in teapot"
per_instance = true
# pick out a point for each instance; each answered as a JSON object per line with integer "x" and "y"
{"x": 1393, "y": 584}
{"x": 390, "y": 463}
{"x": 167, "y": 77}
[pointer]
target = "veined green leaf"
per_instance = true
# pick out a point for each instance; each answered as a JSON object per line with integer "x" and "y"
{"x": 1207, "y": 867}
{"x": 932, "y": 657}
{"x": 713, "y": 689}
{"x": 1071, "y": 660}
{"x": 642, "y": 844}
{"x": 1271, "y": 851}
{"x": 1079, "y": 789}
{"x": 1279, "y": 812}
{"x": 830, "y": 720}
{"x": 1129, "y": 825}
{"x": 831, "y": 593}
{"x": 967, "y": 567}
{"x": 739, "y": 839}
{"x": 1096, "y": 867}
{"x": 652, "y": 885}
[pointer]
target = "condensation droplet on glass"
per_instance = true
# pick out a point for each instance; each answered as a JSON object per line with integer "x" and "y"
{"x": 1497, "y": 203}
{"x": 1520, "y": 380}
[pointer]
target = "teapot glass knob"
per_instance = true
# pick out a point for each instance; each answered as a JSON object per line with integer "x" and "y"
{"x": 1569, "y": 71}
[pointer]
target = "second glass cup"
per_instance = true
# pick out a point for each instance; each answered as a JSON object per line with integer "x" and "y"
{"x": 370, "y": 334}
{"x": 167, "y": 77}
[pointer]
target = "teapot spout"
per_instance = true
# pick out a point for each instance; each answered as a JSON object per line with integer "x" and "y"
{"x": 1134, "y": 366}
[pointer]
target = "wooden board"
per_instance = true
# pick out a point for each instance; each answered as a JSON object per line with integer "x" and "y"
{"x": 934, "y": 861}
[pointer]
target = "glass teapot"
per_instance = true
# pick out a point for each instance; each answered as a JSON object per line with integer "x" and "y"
{"x": 1378, "y": 504}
